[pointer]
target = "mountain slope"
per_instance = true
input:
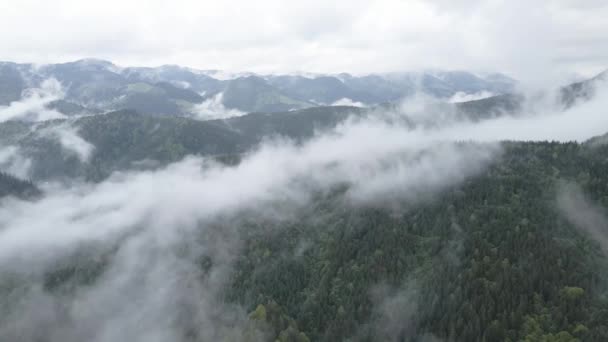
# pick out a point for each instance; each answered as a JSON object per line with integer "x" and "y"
{"x": 491, "y": 259}
{"x": 130, "y": 140}
{"x": 11, "y": 84}
{"x": 297, "y": 125}
{"x": 123, "y": 140}
{"x": 491, "y": 107}
{"x": 12, "y": 186}
{"x": 583, "y": 90}
{"x": 253, "y": 94}
{"x": 174, "y": 90}
{"x": 322, "y": 89}
{"x": 175, "y": 75}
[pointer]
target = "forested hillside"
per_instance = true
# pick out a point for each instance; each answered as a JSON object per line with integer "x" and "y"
{"x": 304, "y": 171}
{"x": 129, "y": 140}
{"x": 491, "y": 259}
{"x": 12, "y": 186}
{"x": 514, "y": 252}
{"x": 170, "y": 90}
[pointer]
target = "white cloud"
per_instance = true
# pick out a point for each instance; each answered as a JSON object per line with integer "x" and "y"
{"x": 393, "y": 314}
{"x": 213, "y": 108}
{"x": 70, "y": 140}
{"x": 464, "y": 97}
{"x": 159, "y": 223}
{"x": 543, "y": 122}
{"x": 348, "y": 102}
{"x": 585, "y": 215}
{"x": 553, "y": 37}
{"x": 33, "y": 105}
{"x": 540, "y": 119}
{"x": 13, "y": 162}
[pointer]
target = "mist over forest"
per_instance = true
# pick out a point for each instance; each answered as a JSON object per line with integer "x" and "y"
{"x": 390, "y": 197}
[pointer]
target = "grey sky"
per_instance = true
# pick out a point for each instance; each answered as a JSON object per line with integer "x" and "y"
{"x": 522, "y": 38}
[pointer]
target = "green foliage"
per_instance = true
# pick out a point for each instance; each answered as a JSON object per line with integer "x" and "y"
{"x": 127, "y": 140}
{"x": 493, "y": 258}
{"x": 259, "y": 313}
{"x": 276, "y": 324}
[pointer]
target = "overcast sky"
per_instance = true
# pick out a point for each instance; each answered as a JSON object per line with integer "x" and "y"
{"x": 551, "y": 37}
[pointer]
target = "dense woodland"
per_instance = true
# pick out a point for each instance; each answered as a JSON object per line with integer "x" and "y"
{"x": 130, "y": 140}
{"x": 491, "y": 259}
{"x": 13, "y": 186}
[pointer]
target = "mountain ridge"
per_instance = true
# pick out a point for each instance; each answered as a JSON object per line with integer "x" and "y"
{"x": 103, "y": 85}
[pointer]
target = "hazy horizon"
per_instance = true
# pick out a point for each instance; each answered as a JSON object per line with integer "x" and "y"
{"x": 555, "y": 39}
{"x": 168, "y": 206}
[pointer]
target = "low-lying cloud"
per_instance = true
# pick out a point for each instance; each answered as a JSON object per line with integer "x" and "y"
{"x": 213, "y": 108}
{"x": 540, "y": 119}
{"x": 159, "y": 223}
{"x": 348, "y": 102}
{"x": 464, "y": 97}
{"x": 150, "y": 229}
{"x": 34, "y": 102}
{"x": 13, "y": 162}
{"x": 70, "y": 140}
{"x": 580, "y": 211}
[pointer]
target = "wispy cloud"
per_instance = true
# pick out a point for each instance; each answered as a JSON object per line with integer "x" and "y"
{"x": 585, "y": 215}
{"x": 33, "y": 105}
{"x": 161, "y": 223}
{"x": 151, "y": 229}
{"x": 213, "y": 108}
{"x": 70, "y": 140}
{"x": 14, "y": 162}
{"x": 348, "y": 102}
{"x": 464, "y": 97}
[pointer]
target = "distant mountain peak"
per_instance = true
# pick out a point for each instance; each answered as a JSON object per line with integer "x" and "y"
{"x": 178, "y": 90}
{"x": 97, "y": 63}
{"x": 91, "y": 61}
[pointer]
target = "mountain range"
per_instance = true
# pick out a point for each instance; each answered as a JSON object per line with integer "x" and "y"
{"x": 92, "y": 85}
{"x": 459, "y": 241}
{"x": 149, "y": 119}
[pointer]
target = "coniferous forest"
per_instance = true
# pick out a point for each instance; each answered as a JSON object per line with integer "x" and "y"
{"x": 492, "y": 259}
{"x": 357, "y": 171}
